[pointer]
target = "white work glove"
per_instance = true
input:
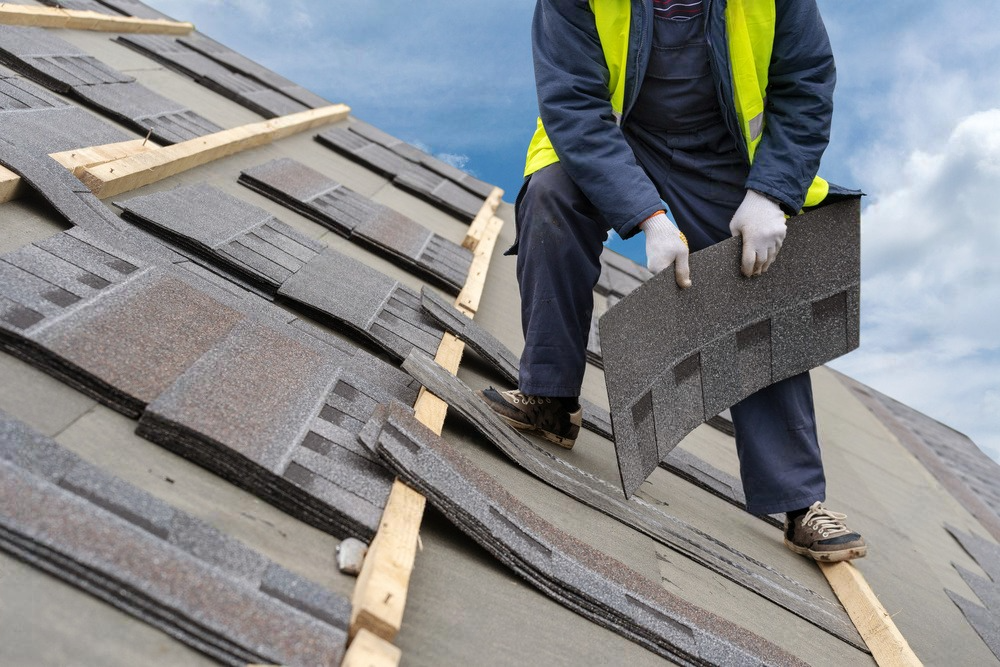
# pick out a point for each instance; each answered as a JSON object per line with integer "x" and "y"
{"x": 666, "y": 245}
{"x": 761, "y": 223}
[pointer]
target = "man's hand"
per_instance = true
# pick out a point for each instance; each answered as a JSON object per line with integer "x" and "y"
{"x": 665, "y": 245}
{"x": 761, "y": 223}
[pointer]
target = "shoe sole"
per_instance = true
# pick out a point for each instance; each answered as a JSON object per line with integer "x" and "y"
{"x": 565, "y": 443}
{"x": 829, "y": 556}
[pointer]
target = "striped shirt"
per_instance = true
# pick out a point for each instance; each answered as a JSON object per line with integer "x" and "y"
{"x": 677, "y": 10}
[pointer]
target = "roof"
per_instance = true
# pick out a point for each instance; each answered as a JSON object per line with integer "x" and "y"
{"x": 188, "y": 364}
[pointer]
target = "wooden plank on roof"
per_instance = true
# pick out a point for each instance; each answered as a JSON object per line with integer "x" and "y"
{"x": 380, "y": 593}
{"x": 10, "y": 185}
{"x": 74, "y": 19}
{"x": 128, "y": 173}
{"x": 78, "y": 159}
{"x": 75, "y": 160}
{"x": 874, "y": 624}
{"x": 367, "y": 650}
{"x": 472, "y": 292}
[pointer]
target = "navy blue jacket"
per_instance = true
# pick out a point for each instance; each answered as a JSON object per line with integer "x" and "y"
{"x": 571, "y": 77}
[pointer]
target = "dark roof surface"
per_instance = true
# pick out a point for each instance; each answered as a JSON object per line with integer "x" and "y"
{"x": 208, "y": 350}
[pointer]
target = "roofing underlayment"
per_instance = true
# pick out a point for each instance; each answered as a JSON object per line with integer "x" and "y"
{"x": 226, "y": 346}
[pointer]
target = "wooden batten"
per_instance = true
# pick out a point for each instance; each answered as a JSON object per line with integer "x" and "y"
{"x": 381, "y": 589}
{"x": 74, "y": 19}
{"x": 132, "y": 172}
{"x": 874, "y": 624}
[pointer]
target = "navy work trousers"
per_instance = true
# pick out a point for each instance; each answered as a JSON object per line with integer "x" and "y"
{"x": 560, "y": 237}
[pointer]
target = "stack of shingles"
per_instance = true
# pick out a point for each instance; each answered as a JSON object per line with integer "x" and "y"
{"x": 43, "y": 123}
{"x": 573, "y": 573}
{"x": 249, "y": 242}
{"x": 142, "y": 336}
{"x": 236, "y": 86}
{"x": 63, "y": 68}
{"x": 362, "y": 220}
{"x": 170, "y": 569}
{"x": 648, "y": 519}
{"x": 239, "y": 63}
{"x": 410, "y": 168}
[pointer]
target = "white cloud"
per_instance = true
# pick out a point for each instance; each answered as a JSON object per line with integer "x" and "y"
{"x": 931, "y": 283}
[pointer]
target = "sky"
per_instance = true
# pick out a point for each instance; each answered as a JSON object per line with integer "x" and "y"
{"x": 916, "y": 127}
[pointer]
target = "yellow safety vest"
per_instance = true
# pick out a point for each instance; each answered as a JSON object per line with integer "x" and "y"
{"x": 750, "y": 27}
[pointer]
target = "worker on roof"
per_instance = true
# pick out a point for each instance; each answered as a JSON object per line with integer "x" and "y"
{"x": 718, "y": 113}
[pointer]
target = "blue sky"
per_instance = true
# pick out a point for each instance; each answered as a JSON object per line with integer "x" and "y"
{"x": 917, "y": 127}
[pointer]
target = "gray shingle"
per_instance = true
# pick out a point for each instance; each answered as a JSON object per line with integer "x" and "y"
{"x": 674, "y": 358}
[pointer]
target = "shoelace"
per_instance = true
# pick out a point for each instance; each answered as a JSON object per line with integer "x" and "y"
{"x": 823, "y": 520}
{"x": 525, "y": 399}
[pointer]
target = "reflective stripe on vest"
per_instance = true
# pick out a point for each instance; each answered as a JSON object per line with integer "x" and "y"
{"x": 750, "y": 28}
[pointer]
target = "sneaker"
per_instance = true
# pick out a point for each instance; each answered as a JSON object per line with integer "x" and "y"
{"x": 821, "y": 535}
{"x": 536, "y": 414}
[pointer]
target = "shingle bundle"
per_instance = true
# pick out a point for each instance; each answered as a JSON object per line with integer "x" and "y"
{"x": 237, "y": 62}
{"x": 576, "y": 575}
{"x": 42, "y": 123}
{"x": 63, "y": 68}
{"x": 167, "y": 568}
{"x": 244, "y": 90}
{"x": 380, "y": 228}
{"x": 222, "y": 379}
{"x": 355, "y": 141}
{"x": 248, "y": 242}
{"x": 275, "y": 412}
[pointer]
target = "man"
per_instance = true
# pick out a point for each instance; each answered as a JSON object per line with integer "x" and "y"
{"x": 717, "y": 112}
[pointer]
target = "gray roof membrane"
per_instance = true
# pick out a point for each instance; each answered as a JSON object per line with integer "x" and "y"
{"x": 984, "y": 619}
{"x": 204, "y": 588}
{"x": 110, "y": 7}
{"x": 237, "y": 62}
{"x": 52, "y": 62}
{"x": 675, "y": 358}
{"x": 571, "y": 572}
{"x": 952, "y": 451}
{"x": 276, "y": 412}
{"x": 63, "y": 68}
{"x": 416, "y": 178}
{"x": 635, "y": 512}
{"x": 244, "y": 90}
{"x": 383, "y": 229}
